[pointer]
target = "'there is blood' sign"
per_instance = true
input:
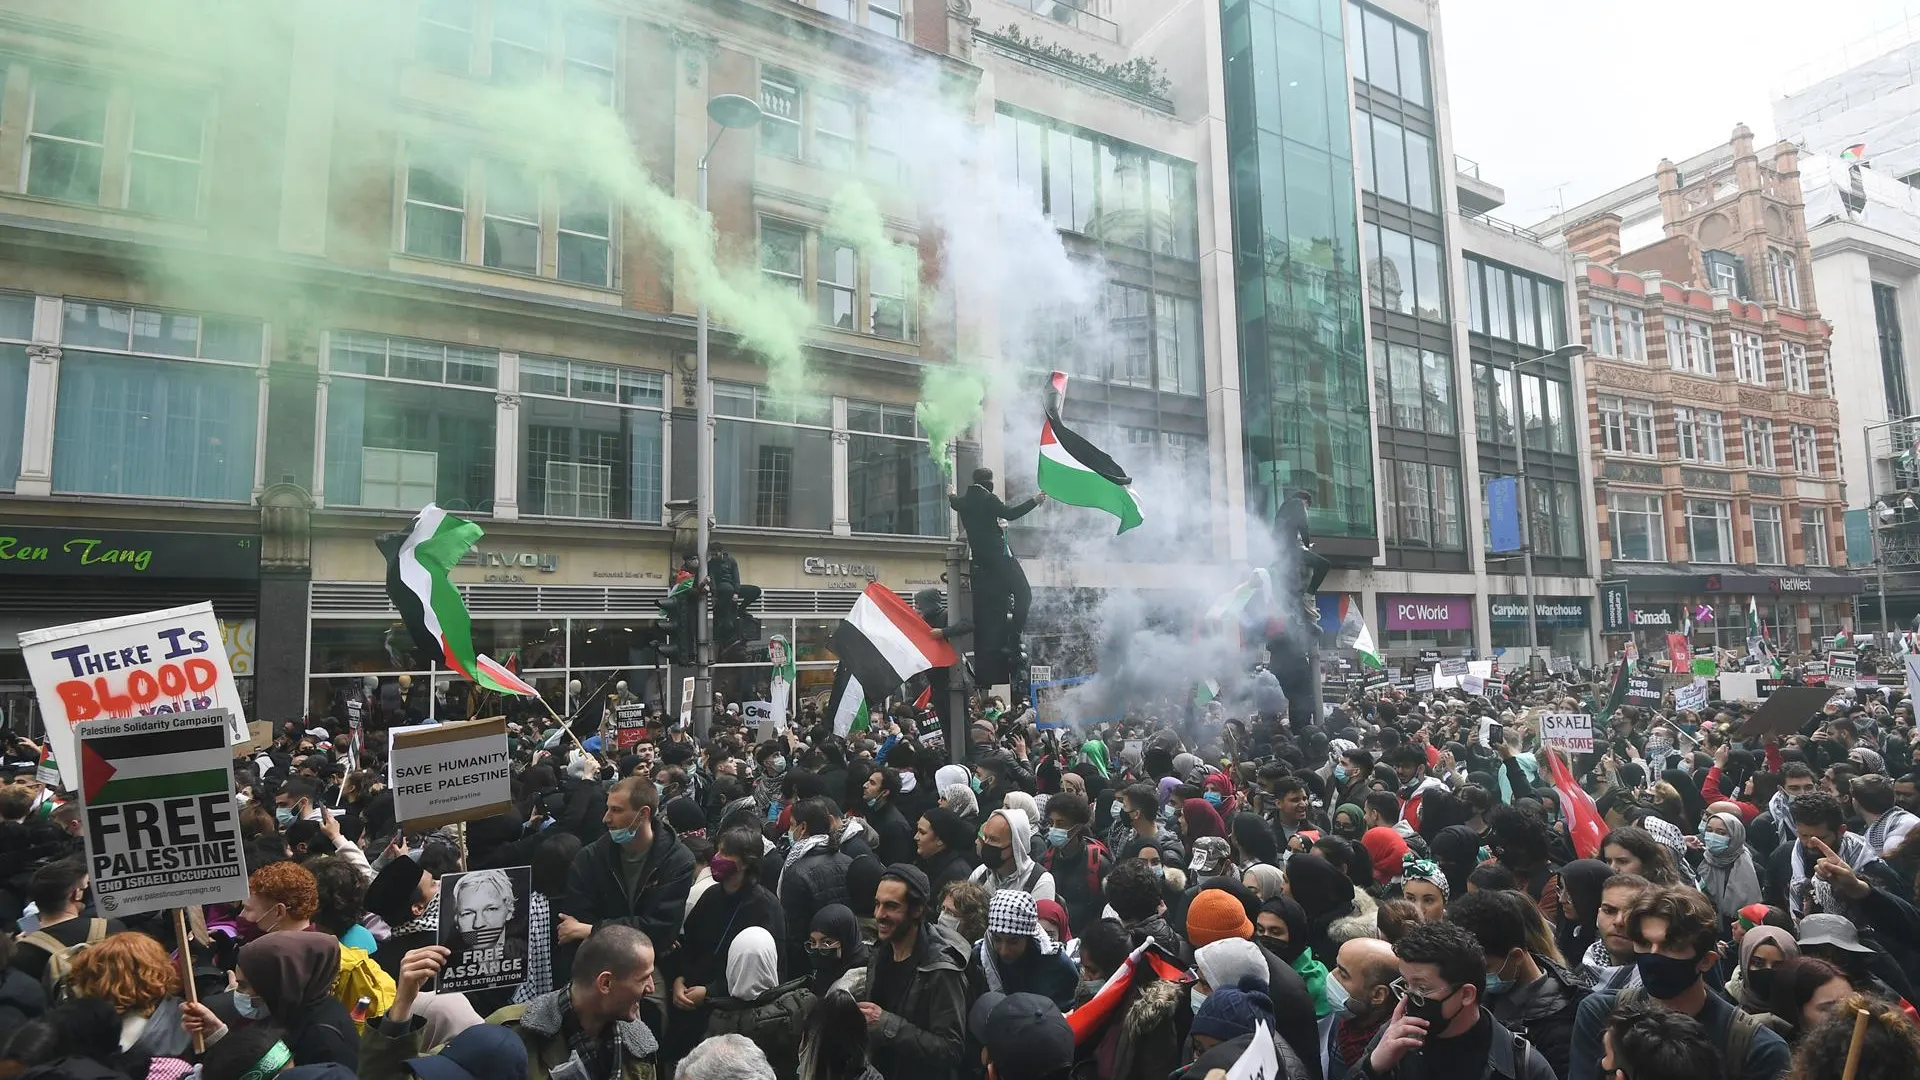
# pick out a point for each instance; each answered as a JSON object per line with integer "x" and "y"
{"x": 160, "y": 662}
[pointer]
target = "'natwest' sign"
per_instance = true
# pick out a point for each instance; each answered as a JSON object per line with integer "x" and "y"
{"x": 1428, "y": 612}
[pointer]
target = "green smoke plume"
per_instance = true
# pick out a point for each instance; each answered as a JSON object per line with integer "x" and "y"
{"x": 951, "y": 398}
{"x": 855, "y": 217}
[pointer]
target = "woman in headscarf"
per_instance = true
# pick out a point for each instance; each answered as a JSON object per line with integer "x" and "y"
{"x": 1580, "y": 883}
{"x": 960, "y": 799}
{"x": 758, "y": 1005}
{"x": 1457, "y": 849}
{"x": 1072, "y": 783}
{"x": 1217, "y": 789}
{"x": 1385, "y": 850}
{"x": 1325, "y": 893}
{"x": 1165, "y": 791}
{"x": 834, "y": 948}
{"x": 1692, "y": 806}
{"x": 1726, "y": 870}
{"x": 286, "y": 979}
{"x": 1253, "y": 840}
{"x": 1198, "y": 818}
{"x": 1094, "y": 752}
{"x": 1349, "y": 821}
{"x": 1266, "y": 881}
{"x": 1281, "y": 929}
{"x": 1425, "y": 886}
{"x": 1762, "y": 949}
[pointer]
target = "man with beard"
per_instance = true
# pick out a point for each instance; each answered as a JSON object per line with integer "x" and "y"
{"x": 1608, "y": 962}
{"x": 1360, "y": 989}
{"x": 915, "y": 1000}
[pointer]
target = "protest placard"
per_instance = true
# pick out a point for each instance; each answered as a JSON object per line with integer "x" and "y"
{"x": 686, "y": 702}
{"x": 1474, "y": 685}
{"x": 161, "y": 827}
{"x": 483, "y": 924}
{"x": 1691, "y": 697}
{"x": 1644, "y": 691}
{"x": 1453, "y": 669}
{"x": 1259, "y": 1061}
{"x": 1423, "y": 682}
{"x": 259, "y": 739}
{"x": 169, "y": 661}
{"x": 1786, "y": 712}
{"x": 1572, "y": 732}
{"x": 630, "y": 726}
{"x": 755, "y": 712}
{"x": 1560, "y": 665}
{"x": 443, "y": 773}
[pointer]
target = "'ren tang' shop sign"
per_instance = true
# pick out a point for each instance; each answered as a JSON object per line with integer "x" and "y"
{"x": 33, "y": 550}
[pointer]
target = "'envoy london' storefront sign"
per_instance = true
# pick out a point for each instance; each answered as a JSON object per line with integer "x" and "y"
{"x": 1428, "y": 612}
{"x": 1547, "y": 610}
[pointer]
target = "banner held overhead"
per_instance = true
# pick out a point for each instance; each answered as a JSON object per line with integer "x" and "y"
{"x": 443, "y": 773}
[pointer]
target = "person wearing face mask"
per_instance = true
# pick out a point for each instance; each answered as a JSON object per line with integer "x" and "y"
{"x": 638, "y": 874}
{"x": 1441, "y": 1026}
{"x": 1017, "y": 956}
{"x": 1359, "y": 990}
{"x": 698, "y": 970}
{"x": 1281, "y": 929}
{"x": 1006, "y": 861}
{"x": 896, "y": 833}
{"x": 1525, "y": 990}
{"x": 943, "y": 843}
{"x": 1076, "y": 860}
{"x": 1675, "y": 931}
{"x": 1141, "y": 808}
{"x": 286, "y": 979}
{"x": 834, "y": 949}
{"x": 1762, "y": 949}
{"x": 770, "y": 1013}
{"x": 1224, "y": 1027}
{"x": 1218, "y": 926}
{"x": 1727, "y": 874}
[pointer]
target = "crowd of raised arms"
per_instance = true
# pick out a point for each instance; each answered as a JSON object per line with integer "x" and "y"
{"x": 1394, "y": 888}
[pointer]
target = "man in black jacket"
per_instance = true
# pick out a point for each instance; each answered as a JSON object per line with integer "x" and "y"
{"x": 1527, "y": 992}
{"x": 896, "y": 834}
{"x": 1001, "y": 594}
{"x": 638, "y": 874}
{"x": 915, "y": 999}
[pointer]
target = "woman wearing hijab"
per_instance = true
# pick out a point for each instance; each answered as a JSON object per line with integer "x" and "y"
{"x": 834, "y": 948}
{"x": 286, "y": 979}
{"x": 1762, "y": 949}
{"x": 1726, "y": 870}
{"x": 1457, "y": 849}
{"x": 771, "y": 1013}
{"x": 1580, "y": 883}
{"x": 1094, "y": 752}
{"x": 1266, "y": 880}
{"x": 1385, "y": 850}
{"x": 1253, "y": 840}
{"x": 1198, "y": 818}
{"x": 1324, "y": 893}
{"x": 1281, "y": 929}
{"x": 1349, "y": 821}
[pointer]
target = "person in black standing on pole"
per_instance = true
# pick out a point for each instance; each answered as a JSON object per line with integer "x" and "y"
{"x": 1001, "y": 595}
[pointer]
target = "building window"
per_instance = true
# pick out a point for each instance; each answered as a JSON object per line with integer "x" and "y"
{"x": 1396, "y": 164}
{"x": 1619, "y": 332}
{"x": 1543, "y": 404}
{"x": 16, "y": 331}
{"x": 1769, "y": 538}
{"x": 783, "y": 256}
{"x": 1757, "y": 432}
{"x": 835, "y": 133}
{"x": 67, "y": 146}
{"x": 169, "y": 136}
{"x": 1783, "y": 275}
{"x": 886, "y": 17}
{"x": 154, "y": 404}
{"x": 773, "y": 463}
{"x": 837, "y": 284}
{"x": 1554, "y": 524}
{"x": 1179, "y": 354}
{"x": 511, "y": 224}
{"x": 1702, "y": 435}
{"x": 890, "y": 299}
{"x": 1749, "y": 359}
{"x": 1690, "y": 346}
{"x": 1423, "y": 506}
{"x": 1096, "y": 186}
{"x": 1416, "y": 386}
{"x": 1404, "y": 272}
{"x": 893, "y": 485}
{"x": 1710, "y": 530}
{"x": 426, "y": 411}
{"x": 1387, "y": 55}
{"x": 434, "y": 223}
{"x": 586, "y": 237}
{"x": 592, "y": 54}
{"x": 444, "y": 38}
{"x": 1893, "y": 356}
{"x": 1606, "y": 339}
{"x": 1806, "y": 450}
{"x": 1638, "y": 527}
{"x": 1793, "y": 358}
{"x": 519, "y": 41}
{"x": 1626, "y": 426}
{"x": 780, "y": 114}
{"x": 1813, "y": 536}
{"x": 590, "y": 440}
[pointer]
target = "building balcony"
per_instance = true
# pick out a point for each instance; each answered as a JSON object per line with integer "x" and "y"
{"x": 1476, "y": 195}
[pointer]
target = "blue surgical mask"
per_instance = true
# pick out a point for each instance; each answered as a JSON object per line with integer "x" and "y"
{"x": 1159, "y": 871}
{"x": 1056, "y": 836}
{"x": 1213, "y": 797}
{"x": 1340, "y": 774}
{"x": 974, "y": 782}
{"x": 1716, "y": 842}
{"x": 250, "y": 1007}
{"x": 1337, "y": 996}
{"x": 283, "y": 815}
{"x": 776, "y": 764}
{"x": 622, "y": 837}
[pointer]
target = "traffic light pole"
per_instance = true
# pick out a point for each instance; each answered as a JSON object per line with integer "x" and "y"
{"x": 703, "y": 505}
{"x": 959, "y": 609}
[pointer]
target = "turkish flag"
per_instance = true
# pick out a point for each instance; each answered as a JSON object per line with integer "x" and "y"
{"x": 1584, "y": 824}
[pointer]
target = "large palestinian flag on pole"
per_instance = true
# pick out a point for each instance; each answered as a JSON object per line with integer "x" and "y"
{"x": 1079, "y": 473}
{"x": 420, "y": 584}
{"x": 149, "y": 766}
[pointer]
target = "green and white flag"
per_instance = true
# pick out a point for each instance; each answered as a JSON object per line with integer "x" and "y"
{"x": 1205, "y": 691}
{"x": 850, "y": 711}
{"x": 1079, "y": 473}
{"x": 1353, "y": 624}
{"x": 420, "y": 584}
{"x": 780, "y": 689}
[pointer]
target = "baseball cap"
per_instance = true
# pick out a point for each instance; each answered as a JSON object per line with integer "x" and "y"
{"x": 1025, "y": 1036}
{"x": 1208, "y": 852}
{"x": 485, "y": 1052}
{"x": 1835, "y": 930}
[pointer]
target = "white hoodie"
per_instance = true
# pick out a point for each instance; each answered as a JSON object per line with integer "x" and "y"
{"x": 1022, "y": 836}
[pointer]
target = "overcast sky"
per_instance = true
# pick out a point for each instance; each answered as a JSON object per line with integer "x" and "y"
{"x": 1564, "y": 100}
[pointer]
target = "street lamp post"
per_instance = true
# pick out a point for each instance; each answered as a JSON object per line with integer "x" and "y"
{"x": 1874, "y": 515}
{"x": 1564, "y": 352}
{"x": 729, "y": 111}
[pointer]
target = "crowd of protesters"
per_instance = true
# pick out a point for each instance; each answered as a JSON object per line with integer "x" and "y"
{"x": 1393, "y": 888}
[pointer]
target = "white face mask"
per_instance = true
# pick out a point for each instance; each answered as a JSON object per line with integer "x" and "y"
{"x": 950, "y": 921}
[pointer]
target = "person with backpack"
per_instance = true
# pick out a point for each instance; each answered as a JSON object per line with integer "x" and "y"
{"x": 59, "y": 891}
{"x": 1005, "y": 859}
{"x": 1527, "y": 991}
{"x": 1077, "y": 861}
{"x": 1675, "y": 932}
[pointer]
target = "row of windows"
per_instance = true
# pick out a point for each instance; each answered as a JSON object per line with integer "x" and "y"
{"x": 80, "y": 131}
{"x": 1414, "y": 387}
{"x": 547, "y": 226}
{"x": 1405, "y": 272}
{"x": 1098, "y": 187}
{"x": 1619, "y": 333}
{"x": 1514, "y": 306}
{"x": 1549, "y": 423}
{"x": 1387, "y": 54}
{"x": 1395, "y": 163}
{"x": 885, "y": 16}
{"x": 1553, "y": 523}
{"x": 1638, "y": 526}
{"x": 1423, "y": 506}
{"x": 831, "y": 127}
{"x": 874, "y": 294}
{"x": 520, "y": 41}
{"x": 1627, "y": 426}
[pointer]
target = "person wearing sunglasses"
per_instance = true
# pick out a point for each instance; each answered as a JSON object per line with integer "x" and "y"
{"x": 1440, "y": 1026}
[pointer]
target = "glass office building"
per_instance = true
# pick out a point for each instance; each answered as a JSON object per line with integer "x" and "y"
{"x": 1303, "y": 353}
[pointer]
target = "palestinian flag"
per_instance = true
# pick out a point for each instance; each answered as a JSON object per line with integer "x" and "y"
{"x": 847, "y": 706}
{"x": 1078, "y": 473}
{"x": 420, "y": 585}
{"x": 1353, "y": 622}
{"x": 1854, "y": 154}
{"x": 154, "y": 765}
{"x": 1206, "y": 690}
{"x": 1617, "y": 693}
{"x": 883, "y": 642}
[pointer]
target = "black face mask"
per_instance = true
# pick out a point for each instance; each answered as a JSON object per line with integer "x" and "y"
{"x": 1760, "y": 981}
{"x": 1286, "y": 950}
{"x": 1433, "y": 1011}
{"x": 992, "y": 856}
